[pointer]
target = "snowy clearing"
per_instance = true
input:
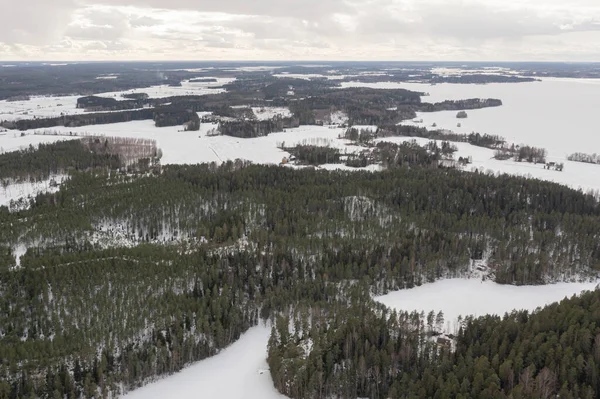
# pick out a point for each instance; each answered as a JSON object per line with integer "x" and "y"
{"x": 21, "y": 192}
{"x": 462, "y": 297}
{"x": 180, "y": 147}
{"x": 239, "y": 371}
{"x": 267, "y": 113}
{"x": 13, "y": 141}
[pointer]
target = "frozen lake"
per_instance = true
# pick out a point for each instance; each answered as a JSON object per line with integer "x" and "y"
{"x": 557, "y": 114}
{"x": 462, "y": 297}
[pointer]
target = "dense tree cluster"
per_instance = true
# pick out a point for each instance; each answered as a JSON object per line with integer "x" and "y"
{"x": 522, "y": 154}
{"x": 477, "y": 139}
{"x": 362, "y": 350}
{"x": 217, "y": 248}
{"x": 586, "y": 158}
{"x": 457, "y": 105}
{"x": 481, "y": 79}
{"x": 50, "y": 159}
{"x": 314, "y": 155}
{"x": 95, "y": 103}
{"x": 256, "y": 128}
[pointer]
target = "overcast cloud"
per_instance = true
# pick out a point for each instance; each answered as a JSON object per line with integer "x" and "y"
{"x": 538, "y": 30}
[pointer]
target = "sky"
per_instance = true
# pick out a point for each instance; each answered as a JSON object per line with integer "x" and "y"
{"x": 427, "y": 30}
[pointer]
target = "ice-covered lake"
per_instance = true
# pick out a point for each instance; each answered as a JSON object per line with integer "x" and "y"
{"x": 463, "y": 297}
{"x": 560, "y": 115}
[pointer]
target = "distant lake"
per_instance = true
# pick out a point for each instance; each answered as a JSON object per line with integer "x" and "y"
{"x": 561, "y": 115}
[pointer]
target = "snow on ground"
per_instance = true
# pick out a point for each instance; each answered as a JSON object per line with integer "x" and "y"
{"x": 266, "y": 113}
{"x": 187, "y": 88}
{"x": 39, "y": 107}
{"x": 258, "y": 68}
{"x": 576, "y": 174}
{"x": 109, "y": 76}
{"x": 239, "y": 371}
{"x": 19, "y": 250}
{"x": 557, "y": 114}
{"x": 52, "y": 106}
{"x": 308, "y": 76}
{"x": 338, "y": 118}
{"x": 367, "y": 128}
{"x": 462, "y": 297}
{"x": 13, "y": 141}
{"x": 23, "y": 191}
{"x": 461, "y": 72}
{"x": 180, "y": 147}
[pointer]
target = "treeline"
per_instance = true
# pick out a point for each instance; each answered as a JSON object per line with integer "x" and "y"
{"x": 481, "y": 79}
{"x": 477, "y": 139}
{"x": 163, "y": 116}
{"x": 458, "y": 105}
{"x": 313, "y": 155}
{"x": 362, "y": 350}
{"x": 255, "y": 128}
{"x": 586, "y": 158}
{"x": 523, "y": 153}
{"x": 50, "y": 159}
{"x": 95, "y": 103}
{"x": 175, "y": 116}
{"x": 81, "y": 119}
{"x": 46, "y": 160}
{"x": 406, "y": 154}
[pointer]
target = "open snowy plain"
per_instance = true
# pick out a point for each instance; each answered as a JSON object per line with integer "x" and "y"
{"x": 240, "y": 371}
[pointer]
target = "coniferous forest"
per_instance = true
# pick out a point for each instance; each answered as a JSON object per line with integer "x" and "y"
{"x": 134, "y": 273}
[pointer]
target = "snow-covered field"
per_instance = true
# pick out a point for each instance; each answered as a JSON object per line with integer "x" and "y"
{"x": 49, "y": 107}
{"x": 181, "y": 147}
{"x": 13, "y": 141}
{"x": 462, "y": 297}
{"x": 239, "y": 371}
{"x": 187, "y": 88}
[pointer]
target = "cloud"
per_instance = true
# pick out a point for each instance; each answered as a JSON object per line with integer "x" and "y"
{"x": 34, "y": 22}
{"x": 327, "y": 29}
{"x": 276, "y": 8}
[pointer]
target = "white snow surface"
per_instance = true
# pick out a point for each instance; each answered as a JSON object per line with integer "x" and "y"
{"x": 462, "y": 297}
{"x": 187, "y": 88}
{"x": 53, "y": 106}
{"x": 13, "y": 141}
{"x": 239, "y": 371}
{"x": 367, "y": 128}
{"x": 267, "y": 113}
{"x": 557, "y": 114}
{"x": 180, "y": 147}
{"x": 27, "y": 190}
